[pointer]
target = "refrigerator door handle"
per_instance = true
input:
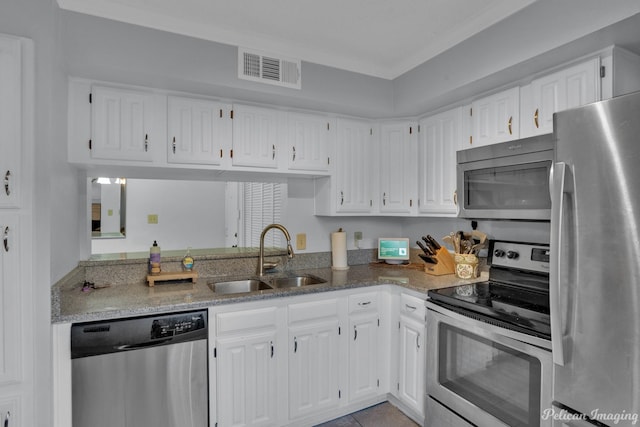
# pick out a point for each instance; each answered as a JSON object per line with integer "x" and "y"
{"x": 561, "y": 183}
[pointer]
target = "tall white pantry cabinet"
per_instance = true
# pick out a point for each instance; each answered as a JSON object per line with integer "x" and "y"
{"x": 16, "y": 220}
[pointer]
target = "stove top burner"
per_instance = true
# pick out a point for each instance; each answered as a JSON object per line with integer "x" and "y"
{"x": 516, "y": 296}
{"x": 526, "y": 310}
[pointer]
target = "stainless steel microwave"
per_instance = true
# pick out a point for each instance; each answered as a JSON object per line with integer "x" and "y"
{"x": 509, "y": 180}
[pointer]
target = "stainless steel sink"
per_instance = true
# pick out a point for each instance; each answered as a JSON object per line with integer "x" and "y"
{"x": 295, "y": 281}
{"x": 238, "y": 286}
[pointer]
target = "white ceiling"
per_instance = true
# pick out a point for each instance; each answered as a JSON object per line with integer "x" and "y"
{"x": 382, "y": 38}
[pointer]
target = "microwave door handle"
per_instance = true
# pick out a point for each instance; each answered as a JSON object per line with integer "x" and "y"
{"x": 561, "y": 184}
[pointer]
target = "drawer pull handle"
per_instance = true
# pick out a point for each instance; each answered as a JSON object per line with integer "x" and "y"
{"x": 418, "y": 341}
{"x": 355, "y": 333}
{"x": 295, "y": 345}
{"x": 294, "y": 154}
{"x": 271, "y": 343}
{"x": 410, "y": 307}
{"x": 535, "y": 118}
{"x": 364, "y": 304}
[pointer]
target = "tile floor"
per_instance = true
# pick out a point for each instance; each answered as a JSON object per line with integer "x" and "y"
{"x": 381, "y": 415}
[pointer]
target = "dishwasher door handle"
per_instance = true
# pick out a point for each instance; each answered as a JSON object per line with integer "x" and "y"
{"x": 141, "y": 345}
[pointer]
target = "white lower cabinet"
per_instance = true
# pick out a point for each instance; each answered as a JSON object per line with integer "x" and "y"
{"x": 297, "y": 360}
{"x": 411, "y": 359}
{"x": 364, "y": 348}
{"x": 313, "y": 357}
{"x": 246, "y": 351}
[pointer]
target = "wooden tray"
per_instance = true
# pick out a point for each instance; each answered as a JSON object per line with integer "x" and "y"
{"x": 176, "y": 275}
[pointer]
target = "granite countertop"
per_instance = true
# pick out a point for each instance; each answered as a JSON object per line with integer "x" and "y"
{"x": 71, "y": 304}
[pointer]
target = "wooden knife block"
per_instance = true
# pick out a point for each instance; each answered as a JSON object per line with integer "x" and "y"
{"x": 445, "y": 265}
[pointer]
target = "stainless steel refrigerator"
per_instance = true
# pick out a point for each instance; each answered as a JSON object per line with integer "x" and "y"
{"x": 595, "y": 264}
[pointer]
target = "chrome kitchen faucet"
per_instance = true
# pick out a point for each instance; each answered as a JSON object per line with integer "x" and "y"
{"x": 290, "y": 254}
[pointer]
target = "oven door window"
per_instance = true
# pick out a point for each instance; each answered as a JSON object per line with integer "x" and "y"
{"x": 500, "y": 380}
{"x": 524, "y": 186}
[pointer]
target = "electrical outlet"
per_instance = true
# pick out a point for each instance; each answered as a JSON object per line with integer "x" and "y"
{"x": 357, "y": 235}
{"x": 109, "y": 212}
{"x": 301, "y": 241}
{"x": 152, "y": 219}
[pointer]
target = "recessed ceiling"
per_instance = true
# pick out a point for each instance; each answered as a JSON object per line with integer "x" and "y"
{"x": 382, "y": 38}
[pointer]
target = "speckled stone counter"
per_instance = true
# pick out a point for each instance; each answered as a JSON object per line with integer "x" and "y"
{"x": 121, "y": 288}
{"x": 71, "y": 304}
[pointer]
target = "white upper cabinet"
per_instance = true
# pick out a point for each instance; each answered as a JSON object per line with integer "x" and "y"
{"x": 199, "y": 131}
{"x": 568, "y": 88}
{"x": 353, "y": 166}
{"x": 310, "y": 141}
{"x": 495, "y": 118}
{"x": 397, "y": 167}
{"x": 440, "y": 137}
{"x": 10, "y": 121}
{"x": 121, "y": 125}
{"x": 255, "y": 136}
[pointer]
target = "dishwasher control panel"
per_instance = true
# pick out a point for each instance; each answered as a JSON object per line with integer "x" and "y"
{"x": 166, "y": 327}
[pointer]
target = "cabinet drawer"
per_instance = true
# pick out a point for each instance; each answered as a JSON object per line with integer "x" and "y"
{"x": 412, "y": 306}
{"x": 363, "y": 302}
{"x": 248, "y": 319}
{"x": 313, "y": 310}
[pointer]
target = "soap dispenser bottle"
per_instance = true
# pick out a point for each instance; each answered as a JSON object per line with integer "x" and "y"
{"x": 154, "y": 258}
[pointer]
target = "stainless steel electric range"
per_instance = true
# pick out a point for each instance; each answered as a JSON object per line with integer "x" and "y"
{"x": 489, "y": 354}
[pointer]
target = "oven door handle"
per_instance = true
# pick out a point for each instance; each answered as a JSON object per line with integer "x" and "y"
{"x": 562, "y": 208}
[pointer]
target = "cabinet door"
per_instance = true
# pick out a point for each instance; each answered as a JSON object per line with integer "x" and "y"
{"x": 247, "y": 380}
{"x": 309, "y": 141}
{"x": 363, "y": 356}
{"x": 411, "y": 375}
{"x": 199, "y": 131}
{"x": 255, "y": 137}
{"x": 313, "y": 368}
{"x": 121, "y": 123}
{"x": 353, "y": 166}
{"x": 397, "y": 167}
{"x": 496, "y": 118}
{"x": 10, "y": 302}
{"x": 572, "y": 87}
{"x": 440, "y": 138}
{"x": 10, "y": 121}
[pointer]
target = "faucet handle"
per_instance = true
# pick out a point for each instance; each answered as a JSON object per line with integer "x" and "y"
{"x": 270, "y": 265}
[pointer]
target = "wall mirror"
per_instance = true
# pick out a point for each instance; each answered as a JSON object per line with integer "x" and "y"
{"x": 180, "y": 214}
{"x": 108, "y": 208}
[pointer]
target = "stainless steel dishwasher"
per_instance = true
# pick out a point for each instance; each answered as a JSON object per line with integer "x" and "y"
{"x": 141, "y": 372}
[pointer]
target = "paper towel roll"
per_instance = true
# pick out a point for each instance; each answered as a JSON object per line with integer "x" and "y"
{"x": 339, "y": 250}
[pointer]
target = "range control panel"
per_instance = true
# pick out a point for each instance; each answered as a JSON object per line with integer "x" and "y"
{"x": 519, "y": 255}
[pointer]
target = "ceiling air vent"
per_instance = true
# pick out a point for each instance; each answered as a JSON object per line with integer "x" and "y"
{"x": 266, "y": 68}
